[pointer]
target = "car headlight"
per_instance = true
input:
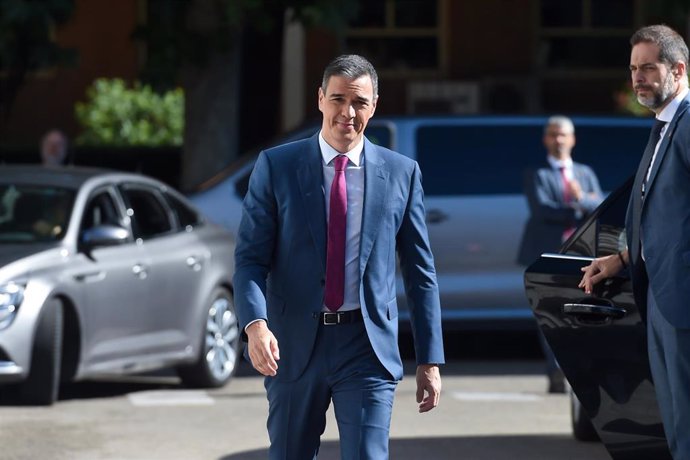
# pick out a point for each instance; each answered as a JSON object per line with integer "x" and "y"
{"x": 11, "y": 296}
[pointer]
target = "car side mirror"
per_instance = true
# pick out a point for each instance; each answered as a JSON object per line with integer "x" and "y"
{"x": 104, "y": 235}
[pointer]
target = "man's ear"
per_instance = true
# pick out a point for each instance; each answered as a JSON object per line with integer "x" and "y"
{"x": 321, "y": 96}
{"x": 679, "y": 70}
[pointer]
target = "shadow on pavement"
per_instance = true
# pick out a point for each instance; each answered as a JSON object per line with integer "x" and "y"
{"x": 533, "y": 447}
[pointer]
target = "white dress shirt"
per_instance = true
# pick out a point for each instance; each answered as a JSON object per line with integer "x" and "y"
{"x": 558, "y": 164}
{"x": 666, "y": 116}
{"x": 354, "y": 177}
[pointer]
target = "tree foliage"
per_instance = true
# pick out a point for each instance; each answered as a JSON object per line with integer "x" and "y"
{"x": 115, "y": 114}
{"x": 191, "y": 32}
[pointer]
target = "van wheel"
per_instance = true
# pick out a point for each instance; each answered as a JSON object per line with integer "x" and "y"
{"x": 41, "y": 386}
{"x": 583, "y": 430}
{"x": 220, "y": 348}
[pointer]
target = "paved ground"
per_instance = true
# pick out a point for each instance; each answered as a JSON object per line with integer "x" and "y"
{"x": 489, "y": 410}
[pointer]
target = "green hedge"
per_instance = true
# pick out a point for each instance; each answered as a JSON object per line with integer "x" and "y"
{"x": 117, "y": 115}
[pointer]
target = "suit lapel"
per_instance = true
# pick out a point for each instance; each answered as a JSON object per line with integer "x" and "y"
{"x": 665, "y": 142}
{"x": 554, "y": 176}
{"x": 375, "y": 189}
{"x": 310, "y": 178}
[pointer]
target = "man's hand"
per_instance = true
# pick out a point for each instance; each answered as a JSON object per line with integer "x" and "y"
{"x": 263, "y": 348}
{"x": 600, "y": 269}
{"x": 429, "y": 382}
{"x": 576, "y": 190}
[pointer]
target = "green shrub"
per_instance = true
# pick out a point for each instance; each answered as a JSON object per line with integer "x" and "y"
{"x": 116, "y": 115}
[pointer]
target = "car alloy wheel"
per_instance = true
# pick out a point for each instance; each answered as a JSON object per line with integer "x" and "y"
{"x": 220, "y": 351}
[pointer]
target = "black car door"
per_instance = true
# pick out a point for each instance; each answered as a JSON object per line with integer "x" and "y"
{"x": 599, "y": 340}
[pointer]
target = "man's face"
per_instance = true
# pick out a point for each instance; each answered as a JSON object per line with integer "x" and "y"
{"x": 53, "y": 150}
{"x": 559, "y": 141}
{"x": 653, "y": 81}
{"x": 347, "y": 105}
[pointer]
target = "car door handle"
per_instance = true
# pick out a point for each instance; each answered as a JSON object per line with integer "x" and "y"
{"x": 435, "y": 216}
{"x": 140, "y": 271}
{"x": 194, "y": 262}
{"x": 90, "y": 277}
{"x": 594, "y": 311}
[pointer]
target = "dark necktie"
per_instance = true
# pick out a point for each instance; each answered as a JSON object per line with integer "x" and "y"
{"x": 649, "y": 152}
{"x": 638, "y": 188}
{"x": 337, "y": 220}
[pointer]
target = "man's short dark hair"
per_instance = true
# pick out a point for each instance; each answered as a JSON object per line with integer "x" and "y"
{"x": 672, "y": 47}
{"x": 351, "y": 66}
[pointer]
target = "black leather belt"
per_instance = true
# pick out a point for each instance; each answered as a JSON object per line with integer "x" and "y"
{"x": 341, "y": 317}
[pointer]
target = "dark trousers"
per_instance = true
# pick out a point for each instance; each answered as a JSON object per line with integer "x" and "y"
{"x": 345, "y": 370}
{"x": 669, "y": 359}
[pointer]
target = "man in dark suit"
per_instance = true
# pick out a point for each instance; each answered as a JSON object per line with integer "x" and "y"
{"x": 560, "y": 195}
{"x": 315, "y": 283}
{"x": 658, "y": 225}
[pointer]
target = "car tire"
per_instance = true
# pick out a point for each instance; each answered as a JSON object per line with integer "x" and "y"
{"x": 219, "y": 352}
{"x": 583, "y": 429}
{"x": 43, "y": 382}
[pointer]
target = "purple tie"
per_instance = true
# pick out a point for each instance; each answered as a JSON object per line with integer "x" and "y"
{"x": 335, "y": 258}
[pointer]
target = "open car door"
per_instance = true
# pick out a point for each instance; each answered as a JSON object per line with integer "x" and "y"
{"x": 600, "y": 340}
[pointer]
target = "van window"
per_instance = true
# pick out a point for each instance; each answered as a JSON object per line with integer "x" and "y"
{"x": 476, "y": 160}
{"x": 379, "y": 135}
{"x": 614, "y": 152}
{"x": 490, "y": 160}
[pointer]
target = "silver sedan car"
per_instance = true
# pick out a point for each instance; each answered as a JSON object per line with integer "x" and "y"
{"x": 109, "y": 273}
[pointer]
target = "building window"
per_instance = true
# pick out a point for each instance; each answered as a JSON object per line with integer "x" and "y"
{"x": 400, "y": 37}
{"x": 585, "y": 35}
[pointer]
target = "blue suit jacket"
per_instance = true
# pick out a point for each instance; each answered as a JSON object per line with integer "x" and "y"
{"x": 550, "y": 216}
{"x": 280, "y": 257}
{"x": 664, "y": 225}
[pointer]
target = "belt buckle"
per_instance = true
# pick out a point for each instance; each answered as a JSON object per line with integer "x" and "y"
{"x": 331, "y": 318}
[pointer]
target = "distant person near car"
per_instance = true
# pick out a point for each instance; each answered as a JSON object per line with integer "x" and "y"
{"x": 315, "y": 265}
{"x": 560, "y": 195}
{"x": 54, "y": 148}
{"x": 658, "y": 224}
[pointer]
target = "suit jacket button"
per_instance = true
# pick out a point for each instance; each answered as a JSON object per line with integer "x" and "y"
{"x": 323, "y": 282}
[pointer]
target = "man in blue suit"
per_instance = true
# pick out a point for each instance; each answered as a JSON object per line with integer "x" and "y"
{"x": 560, "y": 195}
{"x": 658, "y": 226}
{"x": 315, "y": 279}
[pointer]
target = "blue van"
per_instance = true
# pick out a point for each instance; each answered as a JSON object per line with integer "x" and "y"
{"x": 472, "y": 170}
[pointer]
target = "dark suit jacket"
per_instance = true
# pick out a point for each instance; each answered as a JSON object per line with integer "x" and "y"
{"x": 281, "y": 254}
{"x": 664, "y": 225}
{"x": 550, "y": 216}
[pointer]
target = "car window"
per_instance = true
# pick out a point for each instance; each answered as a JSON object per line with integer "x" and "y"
{"x": 187, "y": 217}
{"x": 149, "y": 216}
{"x": 32, "y": 213}
{"x": 101, "y": 209}
{"x": 611, "y": 223}
{"x": 604, "y": 232}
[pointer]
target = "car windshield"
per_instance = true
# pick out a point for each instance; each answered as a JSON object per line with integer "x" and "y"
{"x": 33, "y": 213}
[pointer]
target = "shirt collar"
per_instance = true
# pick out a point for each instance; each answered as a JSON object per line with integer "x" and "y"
{"x": 328, "y": 152}
{"x": 558, "y": 164}
{"x": 669, "y": 111}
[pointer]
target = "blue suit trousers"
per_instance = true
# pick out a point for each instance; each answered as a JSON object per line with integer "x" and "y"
{"x": 669, "y": 358}
{"x": 342, "y": 369}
